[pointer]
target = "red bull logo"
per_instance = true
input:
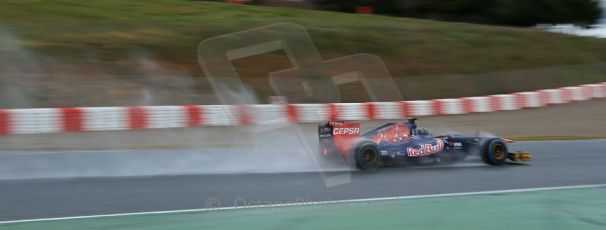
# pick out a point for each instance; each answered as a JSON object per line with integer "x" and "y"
{"x": 424, "y": 150}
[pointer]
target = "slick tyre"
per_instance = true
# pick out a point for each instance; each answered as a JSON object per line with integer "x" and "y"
{"x": 494, "y": 152}
{"x": 366, "y": 156}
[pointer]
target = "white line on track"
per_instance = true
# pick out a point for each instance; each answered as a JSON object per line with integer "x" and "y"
{"x": 316, "y": 203}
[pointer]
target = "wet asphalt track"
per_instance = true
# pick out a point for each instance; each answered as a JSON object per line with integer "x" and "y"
{"x": 555, "y": 163}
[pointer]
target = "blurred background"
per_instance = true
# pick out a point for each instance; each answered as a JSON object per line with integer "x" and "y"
{"x": 114, "y": 53}
{"x": 126, "y": 54}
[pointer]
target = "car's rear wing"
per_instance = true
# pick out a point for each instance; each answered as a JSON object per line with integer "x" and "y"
{"x": 337, "y": 136}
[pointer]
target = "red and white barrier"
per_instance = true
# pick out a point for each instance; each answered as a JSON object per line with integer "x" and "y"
{"x": 51, "y": 120}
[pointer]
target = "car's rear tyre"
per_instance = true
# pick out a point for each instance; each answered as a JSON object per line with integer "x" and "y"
{"x": 494, "y": 152}
{"x": 366, "y": 156}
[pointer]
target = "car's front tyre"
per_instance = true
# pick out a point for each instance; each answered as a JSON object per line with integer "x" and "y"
{"x": 494, "y": 152}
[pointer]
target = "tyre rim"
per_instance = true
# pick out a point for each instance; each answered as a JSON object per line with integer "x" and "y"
{"x": 499, "y": 151}
{"x": 369, "y": 156}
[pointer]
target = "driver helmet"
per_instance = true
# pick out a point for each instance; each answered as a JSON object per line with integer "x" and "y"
{"x": 422, "y": 131}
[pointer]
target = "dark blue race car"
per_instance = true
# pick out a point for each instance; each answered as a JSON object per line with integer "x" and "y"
{"x": 404, "y": 142}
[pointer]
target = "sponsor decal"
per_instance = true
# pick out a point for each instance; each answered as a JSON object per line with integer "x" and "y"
{"x": 325, "y": 129}
{"x": 337, "y": 131}
{"x": 344, "y": 136}
{"x": 457, "y": 145}
{"x": 425, "y": 149}
{"x": 335, "y": 123}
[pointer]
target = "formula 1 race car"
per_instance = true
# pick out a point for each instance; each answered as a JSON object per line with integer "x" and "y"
{"x": 404, "y": 142}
